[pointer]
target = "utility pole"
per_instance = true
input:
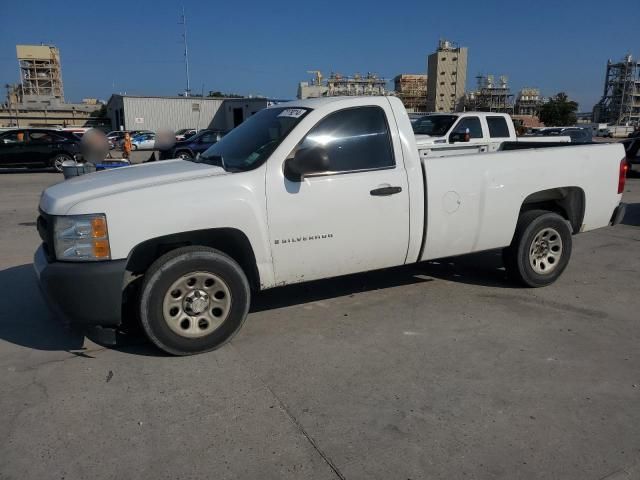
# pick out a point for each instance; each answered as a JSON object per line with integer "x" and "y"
{"x": 200, "y": 109}
{"x": 183, "y": 22}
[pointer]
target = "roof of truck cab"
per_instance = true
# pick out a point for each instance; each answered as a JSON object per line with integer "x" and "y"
{"x": 322, "y": 101}
{"x": 475, "y": 114}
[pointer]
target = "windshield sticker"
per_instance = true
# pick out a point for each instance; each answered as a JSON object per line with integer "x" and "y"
{"x": 292, "y": 112}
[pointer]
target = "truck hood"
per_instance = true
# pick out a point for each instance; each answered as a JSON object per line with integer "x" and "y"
{"x": 59, "y": 198}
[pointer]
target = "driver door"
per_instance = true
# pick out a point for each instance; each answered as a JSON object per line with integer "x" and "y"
{"x": 477, "y": 139}
{"x": 353, "y": 217}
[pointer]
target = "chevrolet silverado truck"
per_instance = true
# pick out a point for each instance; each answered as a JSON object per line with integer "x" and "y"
{"x": 445, "y": 134}
{"x": 302, "y": 191}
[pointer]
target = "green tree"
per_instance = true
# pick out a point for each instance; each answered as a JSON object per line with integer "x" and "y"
{"x": 216, "y": 93}
{"x": 559, "y": 111}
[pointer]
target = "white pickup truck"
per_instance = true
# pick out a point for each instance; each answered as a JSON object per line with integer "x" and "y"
{"x": 446, "y": 134}
{"x": 301, "y": 191}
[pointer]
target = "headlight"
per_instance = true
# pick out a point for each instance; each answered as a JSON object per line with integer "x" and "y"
{"x": 81, "y": 237}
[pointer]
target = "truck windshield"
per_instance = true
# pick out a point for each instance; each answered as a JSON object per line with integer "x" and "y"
{"x": 248, "y": 145}
{"x": 434, "y": 125}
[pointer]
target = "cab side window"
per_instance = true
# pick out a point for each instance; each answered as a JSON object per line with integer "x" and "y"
{"x": 471, "y": 123}
{"x": 354, "y": 139}
{"x": 498, "y": 127}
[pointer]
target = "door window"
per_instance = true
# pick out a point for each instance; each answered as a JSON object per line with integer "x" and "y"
{"x": 43, "y": 137}
{"x": 498, "y": 127}
{"x": 13, "y": 137}
{"x": 471, "y": 123}
{"x": 354, "y": 139}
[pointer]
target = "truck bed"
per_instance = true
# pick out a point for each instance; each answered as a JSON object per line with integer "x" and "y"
{"x": 475, "y": 206}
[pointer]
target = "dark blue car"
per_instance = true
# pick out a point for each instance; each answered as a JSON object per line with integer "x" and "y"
{"x": 190, "y": 147}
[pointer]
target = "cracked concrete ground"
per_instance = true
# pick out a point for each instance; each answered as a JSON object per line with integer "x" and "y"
{"x": 441, "y": 371}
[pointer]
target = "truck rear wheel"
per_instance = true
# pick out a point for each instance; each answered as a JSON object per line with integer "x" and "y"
{"x": 193, "y": 300}
{"x": 540, "y": 249}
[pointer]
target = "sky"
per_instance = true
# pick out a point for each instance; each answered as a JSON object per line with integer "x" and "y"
{"x": 255, "y": 47}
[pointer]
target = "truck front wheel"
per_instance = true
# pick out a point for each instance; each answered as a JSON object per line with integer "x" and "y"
{"x": 193, "y": 300}
{"x": 540, "y": 249}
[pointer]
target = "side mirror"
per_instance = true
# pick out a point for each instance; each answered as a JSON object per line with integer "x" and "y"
{"x": 305, "y": 162}
{"x": 459, "y": 136}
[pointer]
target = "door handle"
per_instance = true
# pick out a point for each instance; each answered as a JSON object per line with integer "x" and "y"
{"x": 385, "y": 191}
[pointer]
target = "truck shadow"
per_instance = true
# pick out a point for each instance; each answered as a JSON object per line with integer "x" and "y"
{"x": 24, "y": 317}
{"x": 484, "y": 268}
{"x": 632, "y": 215}
{"x": 26, "y": 321}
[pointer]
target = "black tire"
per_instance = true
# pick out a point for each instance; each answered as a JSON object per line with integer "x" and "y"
{"x": 56, "y": 161}
{"x": 181, "y": 263}
{"x": 134, "y": 146}
{"x": 518, "y": 259}
{"x": 184, "y": 154}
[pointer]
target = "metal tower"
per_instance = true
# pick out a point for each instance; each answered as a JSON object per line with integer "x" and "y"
{"x": 40, "y": 72}
{"x": 620, "y": 102}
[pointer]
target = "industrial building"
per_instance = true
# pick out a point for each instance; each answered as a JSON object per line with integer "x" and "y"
{"x": 447, "y": 77}
{"x": 40, "y": 72}
{"x": 338, "y": 85}
{"x": 490, "y": 96}
{"x": 620, "y": 102}
{"x": 412, "y": 90}
{"x": 528, "y": 102}
{"x": 38, "y": 100}
{"x": 133, "y": 112}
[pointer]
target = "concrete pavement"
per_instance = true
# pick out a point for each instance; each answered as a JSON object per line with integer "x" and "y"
{"x": 440, "y": 370}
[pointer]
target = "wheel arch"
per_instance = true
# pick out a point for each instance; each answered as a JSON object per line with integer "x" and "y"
{"x": 568, "y": 202}
{"x": 185, "y": 149}
{"x": 55, "y": 153}
{"x": 230, "y": 241}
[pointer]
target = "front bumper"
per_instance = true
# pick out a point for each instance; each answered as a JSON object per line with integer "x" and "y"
{"x": 83, "y": 293}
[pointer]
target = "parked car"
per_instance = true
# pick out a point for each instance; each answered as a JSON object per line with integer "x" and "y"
{"x": 116, "y": 135}
{"x": 132, "y": 134}
{"x": 604, "y": 132}
{"x": 578, "y": 134}
{"x": 302, "y": 191}
{"x": 35, "y": 147}
{"x": 185, "y": 133}
{"x": 198, "y": 143}
{"x": 144, "y": 141}
{"x": 632, "y": 151}
{"x": 114, "y": 138}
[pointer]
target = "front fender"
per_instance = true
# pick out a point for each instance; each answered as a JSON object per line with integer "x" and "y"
{"x": 235, "y": 201}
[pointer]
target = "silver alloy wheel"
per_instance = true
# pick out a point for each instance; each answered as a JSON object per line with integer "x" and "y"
{"x": 184, "y": 156}
{"x": 196, "y": 304}
{"x": 545, "y": 251}
{"x": 58, "y": 160}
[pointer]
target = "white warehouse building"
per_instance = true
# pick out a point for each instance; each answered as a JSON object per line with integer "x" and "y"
{"x": 133, "y": 112}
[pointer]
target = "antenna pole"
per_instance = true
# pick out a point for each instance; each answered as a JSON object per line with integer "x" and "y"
{"x": 200, "y": 109}
{"x": 187, "y": 92}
